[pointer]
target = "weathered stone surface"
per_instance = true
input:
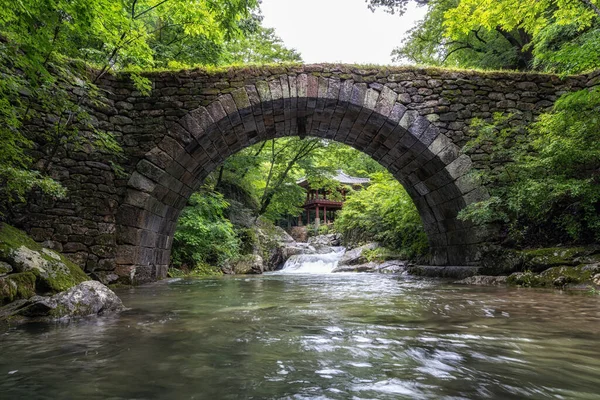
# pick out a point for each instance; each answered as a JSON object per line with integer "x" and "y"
{"x": 331, "y": 239}
{"x": 562, "y": 277}
{"x": 484, "y": 280}
{"x": 357, "y": 255}
{"x": 52, "y": 272}
{"x": 248, "y": 264}
{"x": 5, "y": 268}
{"x": 386, "y": 267}
{"x": 86, "y": 299}
{"x": 192, "y": 121}
{"x": 454, "y": 272}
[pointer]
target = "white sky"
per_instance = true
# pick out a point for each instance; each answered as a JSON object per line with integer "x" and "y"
{"x": 343, "y": 31}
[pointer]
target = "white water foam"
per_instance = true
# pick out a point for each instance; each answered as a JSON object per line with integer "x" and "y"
{"x": 312, "y": 263}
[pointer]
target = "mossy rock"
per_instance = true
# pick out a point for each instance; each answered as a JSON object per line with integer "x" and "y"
{"x": 541, "y": 259}
{"x": 17, "y": 286}
{"x": 560, "y": 277}
{"x": 247, "y": 264}
{"x": 54, "y": 272}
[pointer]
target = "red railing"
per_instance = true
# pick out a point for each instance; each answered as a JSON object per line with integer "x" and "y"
{"x": 324, "y": 202}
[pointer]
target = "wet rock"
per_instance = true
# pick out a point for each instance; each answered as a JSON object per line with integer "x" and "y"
{"x": 299, "y": 233}
{"x": 565, "y": 276}
{"x": 596, "y": 279}
{"x": 17, "y": 286}
{"x": 367, "y": 267}
{"x": 454, "y": 272}
{"x": 248, "y": 264}
{"x": 51, "y": 272}
{"x": 540, "y": 259}
{"x": 85, "y": 299}
{"x": 392, "y": 267}
{"x": 387, "y": 267}
{"x": 357, "y": 256}
{"x": 5, "y": 268}
{"x": 483, "y": 280}
{"x": 328, "y": 240}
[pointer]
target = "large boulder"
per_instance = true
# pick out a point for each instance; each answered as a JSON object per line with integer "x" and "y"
{"x": 30, "y": 269}
{"x": 357, "y": 255}
{"x": 247, "y": 264}
{"x": 85, "y": 299}
{"x": 328, "y": 240}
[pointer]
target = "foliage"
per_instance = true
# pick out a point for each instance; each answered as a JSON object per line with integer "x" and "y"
{"x": 385, "y": 213}
{"x": 556, "y": 36}
{"x": 199, "y": 270}
{"x": 269, "y": 171}
{"x": 47, "y": 49}
{"x": 427, "y": 43}
{"x": 260, "y": 46}
{"x": 547, "y": 189}
{"x": 203, "y": 235}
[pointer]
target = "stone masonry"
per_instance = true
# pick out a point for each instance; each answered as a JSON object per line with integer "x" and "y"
{"x": 413, "y": 121}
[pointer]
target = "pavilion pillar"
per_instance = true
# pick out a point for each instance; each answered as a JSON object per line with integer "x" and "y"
{"x": 317, "y": 216}
{"x": 325, "y": 214}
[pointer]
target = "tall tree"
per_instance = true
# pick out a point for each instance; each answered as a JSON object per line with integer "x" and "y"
{"x": 558, "y": 36}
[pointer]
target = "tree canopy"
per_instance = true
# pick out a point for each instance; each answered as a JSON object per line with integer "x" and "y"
{"x": 50, "y": 48}
{"x": 550, "y": 35}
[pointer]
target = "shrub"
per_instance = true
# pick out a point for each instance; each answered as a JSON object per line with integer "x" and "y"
{"x": 385, "y": 213}
{"x": 203, "y": 235}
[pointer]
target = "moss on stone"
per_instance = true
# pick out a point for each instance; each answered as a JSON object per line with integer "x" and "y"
{"x": 540, "y": 259}
{"x": 52, "y": 271}
{"x": 17, "y": 286}
{"x": 13, "y": 238}
{"x": 558, "y": 277}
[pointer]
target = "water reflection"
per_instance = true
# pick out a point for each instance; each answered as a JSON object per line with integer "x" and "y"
{"x": 300, "y": 337}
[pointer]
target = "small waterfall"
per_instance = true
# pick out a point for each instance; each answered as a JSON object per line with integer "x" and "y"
{"x": 312, "y": 263}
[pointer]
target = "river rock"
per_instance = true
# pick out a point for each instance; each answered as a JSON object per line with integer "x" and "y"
{"x": 387, "y": 267}
{"x": 31, "y": 269}
{"x": 5, "y": 268}
{"x": 392, "y": 267}
{"x": 248, "y": 264}
{"x": 367, "y": 267}
{"x": 450, "y": 271}
{"x": 484, "y": 280}
{"x": 356, "y": 256}
{"x": 84, "y": 299}
{"x": 328, "y": 240}
{"x": 596, "y": 279}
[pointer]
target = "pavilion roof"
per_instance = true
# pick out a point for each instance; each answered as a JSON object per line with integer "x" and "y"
{"x": 343, "y": 178}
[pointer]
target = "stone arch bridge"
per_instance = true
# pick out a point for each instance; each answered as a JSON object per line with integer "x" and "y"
{"x": 413, "y": 121}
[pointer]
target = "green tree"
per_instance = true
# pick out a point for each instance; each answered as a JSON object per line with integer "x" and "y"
{"x": 385, "y": 213}
{"x": 558, "y": 36}
{"x": 47, "y": 49}
{"x": 203, "y": 235}
{"x": 547, "y": 191}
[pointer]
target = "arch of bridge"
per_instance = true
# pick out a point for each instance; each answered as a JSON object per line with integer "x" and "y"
{"x": 414, "y": 121}
{"x": 369, "y": 118}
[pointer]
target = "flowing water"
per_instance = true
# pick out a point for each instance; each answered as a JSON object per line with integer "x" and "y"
{"x": 314, "y": 336}
{"x": 313, "y": 263}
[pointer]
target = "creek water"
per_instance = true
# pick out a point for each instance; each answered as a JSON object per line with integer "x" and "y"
{"x": 312, "y": 263}
{"x": 314, "y": 336}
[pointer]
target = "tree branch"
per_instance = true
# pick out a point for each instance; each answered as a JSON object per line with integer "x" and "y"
{"x": 592, "y": 6}
{"x": 150, "y": 9}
